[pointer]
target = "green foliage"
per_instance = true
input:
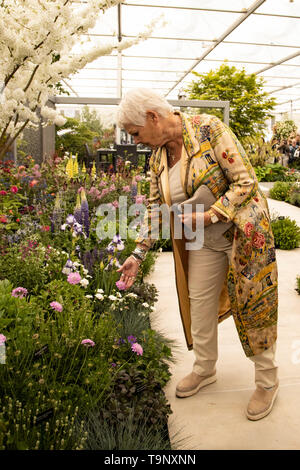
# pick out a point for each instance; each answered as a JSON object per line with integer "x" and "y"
{"x": 250, "y": 106}
{"x": 271, "y": 172}
{"x": 294, "y": 196}
{"x": 259, "y": 151}
{"x": 286, "y": 233}
{"x": 125, "y": 434}
{"x": 280, "y": 191}
{"x": 298, "y": 284}
{"x": 74, "y": 141}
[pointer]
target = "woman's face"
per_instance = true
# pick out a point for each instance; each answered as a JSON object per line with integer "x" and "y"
{"x": 151, "y": 134}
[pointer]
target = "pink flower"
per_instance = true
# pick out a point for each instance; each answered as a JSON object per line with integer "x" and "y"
{"x": 14, "y": 189}
{"x": 112, "y": 188}
{"x": 138, "y": 178}
{"x": 74, "y": 278}
{"x": 102, "y": 184}
{"x": 33, "y": 183}
{"x": 3, "y": 193}
{"x": 115, "y": 204}
{"x": 45, "y": 228}
{"x": 121, "y": 285}
{"x": 19, "y": 292}
{"x": 137, "y": 348}
{"x": 56, "y": 306}
{"x": 140, "y": 199}
{"x": 88, "y": 343}
{"x": 258, "y": 240}
{"x": 248, "y": 229}
{"x": 2, "y": 339}
{"x": 3, "y": 219}
{"x": 126, "y": 189}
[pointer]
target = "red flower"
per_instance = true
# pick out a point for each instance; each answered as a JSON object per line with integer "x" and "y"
{"x": 258, "y": 240}
{"x": 256, "y": 199}
{"x": 3, "y": 193}
{"x": 224, "y": 155}
{"x": 3, "y": 219}
{"x": 33, "y": 183}
{"x": 17, "y": 220}
{"x": 248, "y": 229}
{"x": 14, "y": 189}
{"x": 45, "y": 228}
{"x": 231, "y": 160}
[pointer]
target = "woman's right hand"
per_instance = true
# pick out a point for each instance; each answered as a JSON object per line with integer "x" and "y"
{"x": 129, "y": 270}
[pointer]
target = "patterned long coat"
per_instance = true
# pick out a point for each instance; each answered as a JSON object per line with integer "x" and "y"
{"x": 215, "y": 157}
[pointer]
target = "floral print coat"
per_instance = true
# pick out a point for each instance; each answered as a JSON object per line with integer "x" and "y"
{"x": 215, "y": 157}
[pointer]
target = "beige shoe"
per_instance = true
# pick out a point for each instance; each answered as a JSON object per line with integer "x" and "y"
{"x": 192, "y": 383}
{"x": 261, "y": 402}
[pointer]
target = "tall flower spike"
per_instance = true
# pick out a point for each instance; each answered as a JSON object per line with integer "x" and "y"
{"x": 69, "y": 168}
{"x": 93, "y": 170}
{"x": 57, "y": 213}
{"x": 85, "y": 213}
{"x": 77, "y": 210}
{"x": 75, "y": 166}
{"x": 83, "y": 169}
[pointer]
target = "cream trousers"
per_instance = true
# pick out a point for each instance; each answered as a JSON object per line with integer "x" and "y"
{"x": 207, "y": 270}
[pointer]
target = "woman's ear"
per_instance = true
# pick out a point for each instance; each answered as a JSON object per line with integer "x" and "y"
{"x": 152, "y": 116}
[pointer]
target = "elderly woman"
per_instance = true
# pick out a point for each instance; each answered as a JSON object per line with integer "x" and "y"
{"x": 234, "y": 273}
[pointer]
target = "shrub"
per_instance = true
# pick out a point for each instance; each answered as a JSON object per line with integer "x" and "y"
{"x": 280, "y": 191}
{"x": 286, "y": 233}
{"x": 271, "y": 172}
{"x": 294, "y": 196}
{"x": 298, "y": 284}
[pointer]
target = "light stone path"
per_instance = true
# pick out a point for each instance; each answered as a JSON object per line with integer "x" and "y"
{"x": 215, "y": 417}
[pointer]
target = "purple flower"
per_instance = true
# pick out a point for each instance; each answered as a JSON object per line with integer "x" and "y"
{"x": 2, "y": 339}
{"x": 69, "y": 264}
{"x": 131, "y": 339}
{"x": 56, "y": 306}
{"x": 74, "y": 278}
{"x": 121, "y": 285}
{"x": 19, "y": 292}
{"x": 137, "y": 348}
{"x": 88, "y": 343}
{"x": 85, "y": 213}
{"x": 70, "y": 219}
{"x": 113, "y": 364}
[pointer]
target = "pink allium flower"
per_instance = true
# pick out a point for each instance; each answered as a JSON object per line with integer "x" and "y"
{"x": 74, "y": 278}
{"x": 121, "y": 285}
{"x": 56, "y": 306}
{"x": 2, "y": 339}
{"x": 14, "y": 189}
{"x": 137, "y": 348}
{"x": 88, "y": 343}
{"x": 19, "y": 292}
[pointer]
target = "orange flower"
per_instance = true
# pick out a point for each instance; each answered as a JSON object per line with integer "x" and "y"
{"x": 33, "y": 183}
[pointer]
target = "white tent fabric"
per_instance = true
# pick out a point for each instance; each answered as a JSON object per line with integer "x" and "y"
{"x": 261, "y": 36}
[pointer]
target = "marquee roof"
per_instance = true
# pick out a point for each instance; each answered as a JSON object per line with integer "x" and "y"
{"x": 261, "y": 36}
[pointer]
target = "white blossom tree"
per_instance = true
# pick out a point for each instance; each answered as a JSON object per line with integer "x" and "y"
{"x": 36, "y": 42}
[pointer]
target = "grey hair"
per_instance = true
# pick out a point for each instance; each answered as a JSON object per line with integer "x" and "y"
{"x": 135, "y": 104}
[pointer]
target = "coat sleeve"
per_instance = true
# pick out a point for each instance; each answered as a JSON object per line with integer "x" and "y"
{"x": 237, "y": 169}
{"x": 152, "y": 214}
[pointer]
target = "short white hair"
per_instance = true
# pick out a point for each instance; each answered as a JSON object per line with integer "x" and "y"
{"x": 135, "y": 104}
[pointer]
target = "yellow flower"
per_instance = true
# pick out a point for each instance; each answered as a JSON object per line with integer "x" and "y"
{"x": 83, "y": 169}
{"x": 69, "y": 168}
{"x": 265, "y": 224}
{"x": 93, "y": 171}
